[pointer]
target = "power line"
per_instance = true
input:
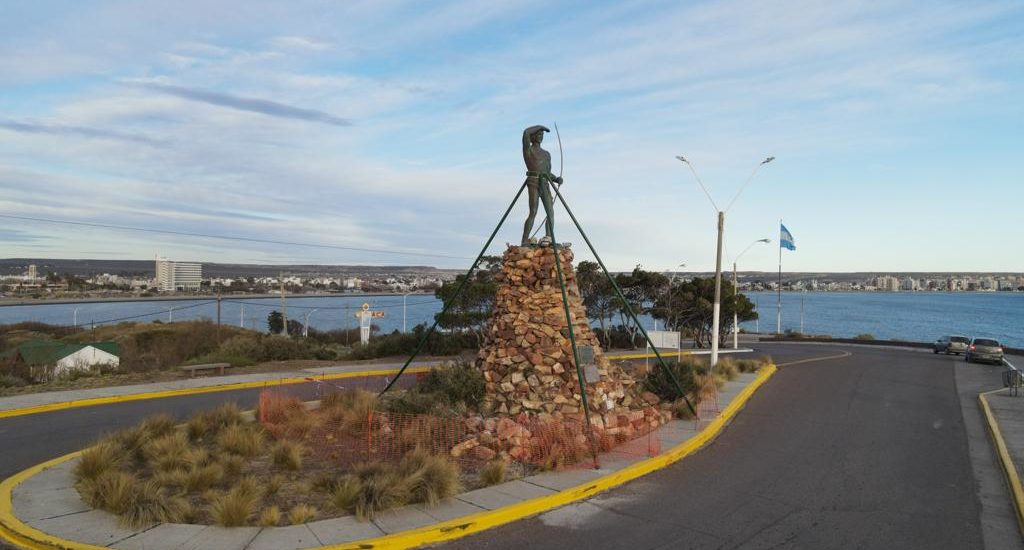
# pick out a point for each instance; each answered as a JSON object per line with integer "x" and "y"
{"x": 321, "y": 308}
{"x": 231, "y": 238}
{"x": 150, "y": 314}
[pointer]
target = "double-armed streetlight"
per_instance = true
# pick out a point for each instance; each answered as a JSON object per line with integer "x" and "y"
{"x": 305, "y": 326}
{"x": 170, "y": 314}
{"x": 735, "y": 294}
{"x": 715, "y": 321}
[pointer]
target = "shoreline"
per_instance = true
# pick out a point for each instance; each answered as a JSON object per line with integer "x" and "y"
{"x": 201, "y": 297}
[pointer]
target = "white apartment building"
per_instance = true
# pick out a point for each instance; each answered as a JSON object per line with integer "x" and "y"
{"x": 172, "y": 276}
{"x": 33, "y": 272}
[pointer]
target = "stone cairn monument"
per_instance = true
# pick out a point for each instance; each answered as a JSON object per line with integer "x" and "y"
{"x": 527, "y": 362}
{"x": 534, "y": 402}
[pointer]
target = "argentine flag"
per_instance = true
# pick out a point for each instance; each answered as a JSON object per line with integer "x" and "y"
{"x": 786, "y": 238}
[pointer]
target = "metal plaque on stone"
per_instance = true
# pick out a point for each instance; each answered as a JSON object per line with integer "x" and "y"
{"x": 589, "y": 365}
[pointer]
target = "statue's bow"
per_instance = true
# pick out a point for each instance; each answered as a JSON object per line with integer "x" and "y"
{"x": 561, "y": 157}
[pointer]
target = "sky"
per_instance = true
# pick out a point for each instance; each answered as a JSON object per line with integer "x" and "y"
{"x": 393, "y": 125}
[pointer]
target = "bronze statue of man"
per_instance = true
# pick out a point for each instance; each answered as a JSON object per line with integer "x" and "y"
{"x": 538, "y": 178}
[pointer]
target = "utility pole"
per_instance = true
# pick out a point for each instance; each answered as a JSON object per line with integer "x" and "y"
{"x": 718, "y": 291}
{"x": 218, "y": 316}
{"x": 284, "y": 307}
{"x": 241, "y": 316}
{"x": 802, "y": 311}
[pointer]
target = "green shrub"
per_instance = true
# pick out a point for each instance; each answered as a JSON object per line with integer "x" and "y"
{"x": 458, "y": 381}
{"x": 864, "y": 336}
{"x": 280, "y": 348}
{"x": 12, "y": 381}
{"x": 659, "y": 382}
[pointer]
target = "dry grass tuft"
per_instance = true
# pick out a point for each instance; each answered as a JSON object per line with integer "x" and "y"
{"x": 381, "y": 488}
{"x": 493, "y": 473}
{"x": 727, "y": 368}
{"x": 287, "y": 454}
{"x": 346, "y": 490}
{"x": 429, "y": 478}
{"x": 274, "y": 484}
{"x": 210, "y": 423}
{"x": 167, "y": 452}
{"x": 201, "y": 478}
{"x": 269, "y": 517}
{"x": 232, "y": 464}
{"x": 112, "y": 491}
{"x": 242, "y": 440}
{"x": 232, "y": 509}
{"x": 158, "y": 425}
{"x": 301, "y": 513}
{"x": 96, "y": 460}
{"x": 152, "y": 504}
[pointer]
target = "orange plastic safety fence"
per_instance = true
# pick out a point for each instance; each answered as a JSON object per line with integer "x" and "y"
{"x": 347, "y": 436}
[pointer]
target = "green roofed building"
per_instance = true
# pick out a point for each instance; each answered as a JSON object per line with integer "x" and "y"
{"x": 48, "y": 358}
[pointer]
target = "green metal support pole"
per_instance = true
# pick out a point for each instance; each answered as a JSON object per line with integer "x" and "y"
{"x": 568, "y": 319}
{"x": 458, "y": 291}
{"x": 629, "y": 309}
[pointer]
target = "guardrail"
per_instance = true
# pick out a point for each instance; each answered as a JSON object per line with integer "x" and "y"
{"x": 900, "y": 343}
{"x": 1012, "y": 378}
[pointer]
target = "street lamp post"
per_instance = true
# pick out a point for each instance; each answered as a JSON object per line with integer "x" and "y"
{"x": 76, "y": 317}
{"x": 735, "y": 292}
{"x": 170, "y": 314}
{"x": 305, "y": 326}
{"x": 717, "y": 309}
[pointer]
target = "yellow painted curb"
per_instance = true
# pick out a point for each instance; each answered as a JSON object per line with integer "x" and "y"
{"x": 16, "y": 531}
{"x": 1009, "y": 468}
{"x": 196, "y": 391}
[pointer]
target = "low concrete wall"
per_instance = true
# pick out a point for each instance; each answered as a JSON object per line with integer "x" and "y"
{"x": 899, "y": 343}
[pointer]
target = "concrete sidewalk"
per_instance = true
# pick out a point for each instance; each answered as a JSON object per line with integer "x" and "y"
{"x": 48, "y": 501}
{"x": 66, "y": 396}
{"x": 1009, "y": 413}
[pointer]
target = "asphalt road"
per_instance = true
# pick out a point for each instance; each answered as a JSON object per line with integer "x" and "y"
{"x": 867, "y": 451}
{"x": 29, "y": 440}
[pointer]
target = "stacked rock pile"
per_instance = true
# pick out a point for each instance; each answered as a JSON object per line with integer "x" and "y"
{"x": 527, "y": 362}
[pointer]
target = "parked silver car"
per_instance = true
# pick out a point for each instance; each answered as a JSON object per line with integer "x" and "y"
{"x": 984, "y": 349}
{"x": 951, "y": 344}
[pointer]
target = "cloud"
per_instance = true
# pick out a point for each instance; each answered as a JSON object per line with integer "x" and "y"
{"x": 300, "y": 43}
{"x": 249, "y": 104}
{"x": 79, "y": 131}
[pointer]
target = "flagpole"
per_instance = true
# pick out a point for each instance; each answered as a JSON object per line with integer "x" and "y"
{"x": 778, "y": 308}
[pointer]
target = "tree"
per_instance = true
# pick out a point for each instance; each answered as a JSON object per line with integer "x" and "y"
{"x": 471, "y": 309}
{"x": 692, "y": 308}
{"x": 641, "y": 289}
{"x": 275, "y": 322}
{"x": 295, "y": 328}
{"x": 598, "y": 295}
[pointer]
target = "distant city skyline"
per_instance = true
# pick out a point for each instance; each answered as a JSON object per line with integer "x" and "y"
{"x": 395, "y": 126}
